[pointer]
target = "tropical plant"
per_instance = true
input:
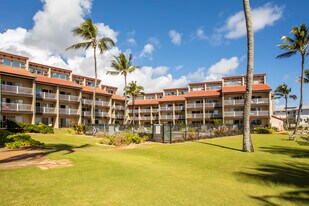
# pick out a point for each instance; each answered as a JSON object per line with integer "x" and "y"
{"x": 284, "y": 91}
{"x": 134, "y": 91}
{"x": 298, "y": 43}
{"x": 247, "y": 142}
{"x": 89, "y": 32}
{"x": 123, "y": 66}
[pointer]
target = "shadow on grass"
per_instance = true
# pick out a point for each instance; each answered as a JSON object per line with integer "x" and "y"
{"x": 49, "y": 149}
{"x": 221, "y": 146}
{"x": 290, "y": 174}
{"x": 291, "y": 151}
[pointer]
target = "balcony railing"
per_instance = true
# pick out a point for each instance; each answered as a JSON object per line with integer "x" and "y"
{"x": 166, "y": 109}
{"x": 69, "y": 98}
{"x": 155, "y": 110}
{"x": 168, "y": 117}
{"x": 213, "y": 104}
{"x": 9, "y": 89}
{"x": 101, "y": 114}
{"x": 195, "y": 115}
{"x": 180, "y": 116}
{"x": 86, "y": 113}
{"x": 262, "y": 113}
{"x": 68, "y": 111}
{"x": 101, "y": 103}
{"x": 234, "y": 114}
{"x": 46, "y": 95}
{"x": 145, "y": 111}
{"x": 46, "y": 110}
{"x": 87, "y": 101}
{"x": 119, "y": 107}
{"x": 241, "y": 101}
{"x": 145, "y": 118}
{"x": 178, "y": 108}
{"x": 196, "y": 105}
{"x": 16, "y": 107}
{"x": 260, "y": 101}
{"x": 117, "y": 116}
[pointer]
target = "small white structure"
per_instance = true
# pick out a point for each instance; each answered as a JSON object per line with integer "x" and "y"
{"x": 292, "y": 115}
{"x": 277, "y": 122}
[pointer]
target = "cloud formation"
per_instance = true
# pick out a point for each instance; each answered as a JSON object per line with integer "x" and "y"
{"x": 147, "y": 51}
{"x": 175, "y": 37}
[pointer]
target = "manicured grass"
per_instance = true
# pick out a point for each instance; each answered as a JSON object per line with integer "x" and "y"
{"x": 207, "y": 172}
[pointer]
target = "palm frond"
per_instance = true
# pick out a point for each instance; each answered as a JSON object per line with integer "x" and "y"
{"x": 287, "y": 39}
{"x": 105, "y": 44}
{"x": 85, "y": 45}
{"x": 293, "y": 96}
{"x": 112, "y": 73}
{"x": 286, "y": 54}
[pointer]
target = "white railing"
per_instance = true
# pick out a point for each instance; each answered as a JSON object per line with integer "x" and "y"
{"x": 213, "y": 104}
{"x": 87, "y": 101}
{"x": 87, "y": 113}
{"x": 101, "y": 103}
{"x": 179, "y": 108}
{"x": 199, "y": 115}
{"x": 118, "y": 116}
{"x": 166, "y": 117}
{"x": 145, "y": 110}
{"x": 119, "y": 107}
{"x": 195, "y": 105}
{"x": 101, "y": 114}
{"x": 65, "y": 111}
{"x": 260, "y": 101}
{"x": 166, "y": 109}
{"x": 10, "y": 89}
{"x": 46, "y": 95}
{"x": 234, "y": 102}
{"x": 234, "y": 114}
{"x": 69, "y": 98}
{"x": 155, "y": 110}
{"x": 262, "y": 113}
{"x": 180, "y": 116}
{"x": 145, "y": 118}
{"x": 46, "y": 110}
{"x": 16, "y": 107}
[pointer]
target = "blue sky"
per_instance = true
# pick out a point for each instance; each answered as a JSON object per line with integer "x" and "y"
{"x": 175, "y": 42}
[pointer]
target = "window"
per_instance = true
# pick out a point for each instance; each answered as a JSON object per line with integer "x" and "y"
{"x": 233, "y": 83}
{"x": 170, "y": 93}
{"x": 110, "y": 91}
{"x": 59, "y": 75}
{"x": 16, "y": 64}
{"x": 37, "y": 71}
{"x": 90, "y": 84}
{"x": 182, "y": 92}
{"x": 214, "y": 87}
{"x": 78, "y": 82}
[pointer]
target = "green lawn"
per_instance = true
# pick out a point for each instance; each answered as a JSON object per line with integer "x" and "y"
{"x": 207, "y": 172}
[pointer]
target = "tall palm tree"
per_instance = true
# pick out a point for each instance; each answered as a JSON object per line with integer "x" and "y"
{"x": 123, "y": 66}
{"x": 89, "y": 32}
{"x": 247, "y": 142}
{"x": 306, "y": 78}
{"x": 298, "y": 43}
{"x": 284, "y": 91}
{"x": 134, "y": 91}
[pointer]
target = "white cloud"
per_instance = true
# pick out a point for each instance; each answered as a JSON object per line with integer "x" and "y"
{"x": 175, "y": 37}
{"x": 147, "y": 51}
{"x": 263, "y": 16}
{"x": 131, "y": 41}
{"x": 179, "y": 67}
{"x": 200, "y": 34}
{"x": 223, "y": 67}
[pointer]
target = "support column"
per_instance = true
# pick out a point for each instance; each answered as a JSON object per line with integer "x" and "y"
{"x": 80, "y": 107}
{"x": 222, "y": 104}
{"x": 186, "y": 112}
{"x": 204, "y": 114}
{"x": 270, "y": 108}
{"x": 33, "y": 102}
{"x": 57, "y": 109}
{"x": 151, "y": 118}
{"x": 139, "y": 115}
{"x": 173, "y": 113}
{"x": 159, "y": 113}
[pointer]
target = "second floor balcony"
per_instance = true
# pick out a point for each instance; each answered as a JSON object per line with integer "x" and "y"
{"x": 45, "y": 110}
{"x": 166, "y": 117}
{"x": 10, "y": 89}
{"x": 87, "y": 101}
{"x": 101, "y": 103}
{"x": 194, "y": 105}
{"x": 144, "y": 110}
{"x": 16, "y": 107}
{"x": 195, "y": 116}
{"x": 145, "y": 118}
{"x": 261, "y": 113}
{"x": 101, "y": 114}
{"x": 240, "y": 102}
{"x": 68, "y": 98}
{"x": 68, "y": 111}
{"x": 46, "y": 95}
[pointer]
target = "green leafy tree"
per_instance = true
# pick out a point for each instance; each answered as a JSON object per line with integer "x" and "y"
{"x": 247, "y": 141}
{"x": 297, "y": 44}
{"x": 284, "y": 91}
{"x": 123, "y": 66}
{"x": 134, "y": 91}
{"x": 89, "y": 33}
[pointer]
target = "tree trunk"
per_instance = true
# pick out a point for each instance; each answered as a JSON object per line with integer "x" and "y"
{"x": 133, "y": 111}
{"x": 286, "y": 114}
{"x": 95, "y": 86}
{"x": 301, "y": 94}
{"x": 247, "y": 142}
{"x": 125, "y": 99}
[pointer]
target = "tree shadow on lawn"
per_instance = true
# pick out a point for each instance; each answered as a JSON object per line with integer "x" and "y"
{"x": 291, "y": 151}
{"x": 221, "y": 146}
{"x": 32, "y": 153}
{"x": 290, "y": 174}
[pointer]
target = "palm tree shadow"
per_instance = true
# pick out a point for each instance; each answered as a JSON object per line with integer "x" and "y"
{"x": 291, "y": 151}
{"x": 221, "y": 146}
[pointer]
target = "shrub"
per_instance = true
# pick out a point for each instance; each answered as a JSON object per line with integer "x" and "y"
{"x": 79, "y": 129}
{"x": 13, "y": 126}
{"x": 262, "y": 130}
{"x": 3, "y": 135}
{"x": 132, "y": 138}
{"x": 19, "y": 140}
{"x": 121, "y": 139}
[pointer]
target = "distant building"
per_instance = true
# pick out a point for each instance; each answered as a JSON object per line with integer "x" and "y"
{"x": 292, "y": 115}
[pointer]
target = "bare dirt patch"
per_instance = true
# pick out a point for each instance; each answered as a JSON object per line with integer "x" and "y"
{"x": 10, "y": 159}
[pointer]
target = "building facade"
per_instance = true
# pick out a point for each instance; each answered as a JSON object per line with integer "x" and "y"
{"x": 33, "y": 93}
{"x": 292, "y": 115}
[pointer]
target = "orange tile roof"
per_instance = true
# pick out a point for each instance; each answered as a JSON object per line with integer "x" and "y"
{"x": 208, "y": 93}
{"x": 255, "y": 87}
{"x": 98, "y": 90}
{"x": 145, "y": 102}
{"x": 15, "y": 71}
{"x": 60, "y": 82}
{"x": 172, "y": 98}
{"x": 117, "y": 97}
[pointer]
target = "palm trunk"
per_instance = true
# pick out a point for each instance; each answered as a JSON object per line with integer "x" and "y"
{"x": 247, "y": 142}
{"x": 95, "y": 86}
{"x": 286, "y": 114}
{"x": 301, "y": 94}
{"x": 133, "y": 111}
{"x": 125, "y": 99}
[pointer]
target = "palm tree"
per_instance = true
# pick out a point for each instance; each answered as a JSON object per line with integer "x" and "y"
{"x": 298, "y": 43}
{"x": 89, "y": 32}
{"x": 306, "y": 78}
{"x": 123, "y": 66}
{"x": 134, "y": 91}
{"x": 247, "y": 142}
{"x": 284, "y": 91}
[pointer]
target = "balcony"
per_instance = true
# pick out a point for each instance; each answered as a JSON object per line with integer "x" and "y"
{"x": 87, "y": 101}
{"x": 179, "y": 108}
{"x": 213, "y": 104}
{"x": 180, "y": 116}
{"x": 234, "y": 114}
{"x": 145, "y": 118}
{"x": 119, "y": 107}
{"x": 166, "y": 117}
{"x": 86, "y": 113}
{"x": 260, "y": 101}
{"x": 46, "y": 96}
{"x": 101, "y": 114}
{"x": 101, "y": 103}
{"x": 145, "y": 111}
{"x": 262, "y": 113}
{"x": 46, "y": 110}
{"x": 195, "y": 116}
{"x": 194, "y": 105}
{"x": 68, "y": 98}
{"x": 240, "y": 102}
{"x": 213, "y": 115}
{"x": 155, "y": 110}
{"x": 16, "y": 107}
{"x": 9, "y": 89}
{"x": 117, "y": 116}
{"x": 68, "y": 111}
{"x": 166, "y": 109}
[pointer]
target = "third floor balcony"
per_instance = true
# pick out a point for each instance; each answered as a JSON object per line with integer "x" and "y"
{"x": 240, "y": 102}
{"x": 46, "y": 95}
{"x": 68, "y": 98}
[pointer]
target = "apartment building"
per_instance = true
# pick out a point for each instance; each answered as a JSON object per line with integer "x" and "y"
{"x": 292, "y": 115}
{"x": 203, "y": 102}
{"x": 33, "y": 93}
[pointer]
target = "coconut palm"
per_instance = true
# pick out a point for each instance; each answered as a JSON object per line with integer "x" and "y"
{"x": 298, "y": 43}
{"x": 89, "y": 33}
{"x": 284, "y": 91}
{"x": 123, "y": 66}
{"x": 247, "y": 142}
{"x": 306, "y": 78}
{"x": 134, "y": 91}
